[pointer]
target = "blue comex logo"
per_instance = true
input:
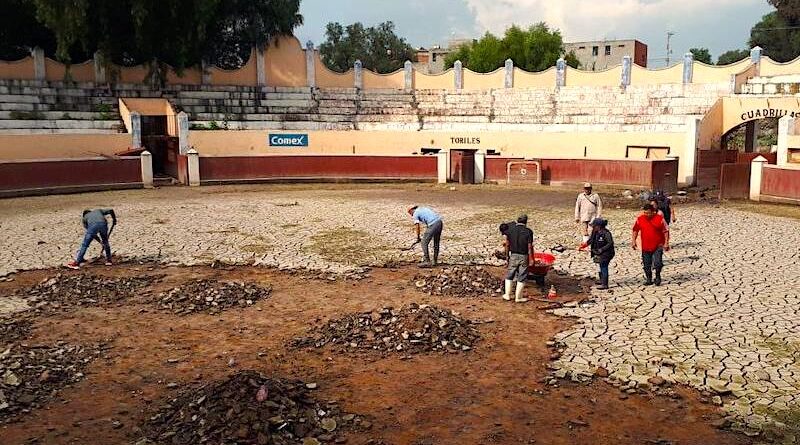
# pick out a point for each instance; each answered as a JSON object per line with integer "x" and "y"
{"x": 288, "y": 140}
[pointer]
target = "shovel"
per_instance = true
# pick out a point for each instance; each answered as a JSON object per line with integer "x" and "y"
{"x": 411, "y": 247}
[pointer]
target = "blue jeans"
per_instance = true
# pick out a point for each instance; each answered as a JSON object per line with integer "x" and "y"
{"x": 92, "y": 231}
{"x": 604, "y": 272}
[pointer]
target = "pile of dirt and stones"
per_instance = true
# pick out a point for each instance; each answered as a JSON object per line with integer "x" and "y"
{"x": 13, "y": 330}
{"x": 460, "y": 281}
{"x": 32, "y": 375}
{"x": 409, "y": 330}
{"x": 210, "y": 296}
{"x": 67, "y": 291}
{"x": 250, "y": 408}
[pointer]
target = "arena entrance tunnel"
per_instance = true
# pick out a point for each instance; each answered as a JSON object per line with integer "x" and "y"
{"x": 729, "y": 113}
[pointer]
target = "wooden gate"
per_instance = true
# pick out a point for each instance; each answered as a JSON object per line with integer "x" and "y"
{"x": 734, "y": 181}
{"x": 709, "y": 163}
{"x": 462, "y": 166}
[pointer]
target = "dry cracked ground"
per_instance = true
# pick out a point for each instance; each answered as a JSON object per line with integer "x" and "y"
{"x": 726, "y": 320}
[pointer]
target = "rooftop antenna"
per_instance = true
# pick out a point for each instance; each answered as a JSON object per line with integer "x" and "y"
{"x": 669, "y": 49}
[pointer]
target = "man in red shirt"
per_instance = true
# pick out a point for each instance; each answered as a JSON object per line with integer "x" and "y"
{"x": 655, "y": 241}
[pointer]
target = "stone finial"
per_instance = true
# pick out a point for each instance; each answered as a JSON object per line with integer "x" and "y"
{"x": 688, "y": 67}
{"x": 205, "y": 73}
{"x": 183, "y": 132}
{"x": 39, "y": 72}
{"x": 261, "y": 67}
{"x": 193, "y": 161}
{"x": 561, "y": 72}
{"x": 99, "y": 67}
{"x": 458, "y": 69}
{"x": 358, "y": 70}
{"x": 509, "y": 74}
{"x": 755, "y": 59}
{"x": 408, "y": 71}
{"x": 136, "y": 130}
{"x": 311, "y": 73}
{"x": 626, "y": 71}
{"x": 146, "y": 160}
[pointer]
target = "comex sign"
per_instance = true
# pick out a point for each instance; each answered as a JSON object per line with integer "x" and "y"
{"x": 288, "y": 140}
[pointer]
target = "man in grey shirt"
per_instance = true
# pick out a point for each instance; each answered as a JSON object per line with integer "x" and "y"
{"x": 519, "y": 247}
{"x": 94, "y": 221}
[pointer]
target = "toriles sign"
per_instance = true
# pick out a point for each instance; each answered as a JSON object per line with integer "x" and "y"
{"x": 288, "y": 140}
{"x": 763, "y": 113}
{"x": 465, "y": 141}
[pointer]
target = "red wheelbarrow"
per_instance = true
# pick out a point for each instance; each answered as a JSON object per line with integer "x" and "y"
{"x": 542, "y": 264}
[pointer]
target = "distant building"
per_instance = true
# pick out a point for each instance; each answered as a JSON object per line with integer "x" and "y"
{"x": 599, "y": 55}
{"x": 431, "y": 61}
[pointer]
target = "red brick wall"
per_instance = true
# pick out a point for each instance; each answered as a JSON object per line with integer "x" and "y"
{"x": 344, "y": 167}
{"x": 69, "y": 173}
{"x": 781, "y": 183}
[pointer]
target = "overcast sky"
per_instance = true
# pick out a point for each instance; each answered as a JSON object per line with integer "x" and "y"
{"x": 719, "y": 25}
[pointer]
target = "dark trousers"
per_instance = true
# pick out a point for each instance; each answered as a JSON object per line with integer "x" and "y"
{"x": 433, "y": 232}
{"x": 653, "y": 260}
{"x": 92, "y": 231}
{"x": 604, "y": 272}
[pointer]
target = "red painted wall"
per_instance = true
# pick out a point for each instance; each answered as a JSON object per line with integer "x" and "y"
{"x": 345, "y": 167}
{"x": 69, "y": 172}
{"x": 746, "y": 158}
{"x": 497, "y": 168}
{"x": 781, "y": 182}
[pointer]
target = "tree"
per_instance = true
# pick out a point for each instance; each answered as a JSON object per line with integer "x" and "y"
{"x": 378, "y": 47}
{"x": 733, "y": 56}
{"x": 789, "y": 10}
{"x": 774, "y": 36}
{"x": 20, "y": 31}
{"x": 701, "y": 55}
{"x": 534, "y": 49}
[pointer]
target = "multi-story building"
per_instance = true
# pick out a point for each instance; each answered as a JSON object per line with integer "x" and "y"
{"x": 431, "y": 61}
{"x": 599, "y": 55}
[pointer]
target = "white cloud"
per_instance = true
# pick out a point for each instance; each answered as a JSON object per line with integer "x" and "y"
{"x": 595, "y": 19}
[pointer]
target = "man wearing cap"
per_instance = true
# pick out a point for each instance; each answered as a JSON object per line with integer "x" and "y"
{"x": 588, "y": 206}
{"x": 433, "y": 231}
{"x": 519, "y": 250}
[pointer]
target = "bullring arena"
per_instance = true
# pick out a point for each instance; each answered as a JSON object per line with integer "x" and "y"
{"x": 263, "y": 232}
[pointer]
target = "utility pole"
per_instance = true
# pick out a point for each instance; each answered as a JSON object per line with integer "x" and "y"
{"x": 669, "y": 50}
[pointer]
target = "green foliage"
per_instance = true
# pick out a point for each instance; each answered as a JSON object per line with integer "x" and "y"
{"x": 379, "y": 48}
{"x": 105, "y": 111}
{"x": 701, "y": 55}
{"x": 789, "y": 10}
{"x": 733, "y": 56}
{"x": 20, "y": 30}
{"x": 534, "y": 49}
{"x": 779, "y": 43}
{"x": 26, "y": 115}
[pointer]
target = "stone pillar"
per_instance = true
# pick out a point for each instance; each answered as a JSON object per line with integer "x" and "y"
{"x": 561, "y": 73}
{"x": 509, "y": 78}
{"x": 311, "y": 74}
{"x": 785, "y": 127}
{"x": 261, "y": 67}
{"x": 193, "y": 161}
{"x": 687, "y": 162}
{"x": 205, "y": 74}
{"x": 756, "y": 171}
{"x": 99, "y": 68}
{"x": 441, "y": 166}
{"x": 183, "y": 132}
{"x": 755, "y": 59}
{"x": 358, "y": 71}
{"x": 626, "y": 72}
{"x": 136, "y": 130}
{"x": 480, "y": 168}
{"x": 458, "y": 69}
{"x": 408, "y": 75}
{"x": 39, "y": 72}
{"x": 751, "y": 137}
{"x": 147, "y": 169}
{"x": 688, "y": 67}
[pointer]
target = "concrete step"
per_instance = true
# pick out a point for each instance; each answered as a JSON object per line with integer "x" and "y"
{"x": 25, "y": 131}
{"x": 59, "y": 124}
{"x": 59, "y": 115}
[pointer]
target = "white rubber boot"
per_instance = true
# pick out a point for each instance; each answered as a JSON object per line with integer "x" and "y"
{"x": 519, "y": 297}
{"x": 585, "y": 238}
{"x": 509, "y": 286}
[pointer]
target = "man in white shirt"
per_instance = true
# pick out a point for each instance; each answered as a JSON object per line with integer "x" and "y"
{"x": 588, "y": 206}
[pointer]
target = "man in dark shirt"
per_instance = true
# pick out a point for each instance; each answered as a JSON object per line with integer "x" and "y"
{"x": 519, "y": 247}
{"x": 94, "y": 221}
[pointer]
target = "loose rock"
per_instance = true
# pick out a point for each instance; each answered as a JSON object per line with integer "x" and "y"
{"x": 66, "y": 292}
{"x": 210, "y": 296}
{"x": 459, "y": 281}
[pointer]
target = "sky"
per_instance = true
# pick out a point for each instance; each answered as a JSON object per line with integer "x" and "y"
{"x": 718, "y": 25}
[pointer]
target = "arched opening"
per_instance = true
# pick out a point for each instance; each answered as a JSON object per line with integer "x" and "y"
{"x": 755, "y": 136}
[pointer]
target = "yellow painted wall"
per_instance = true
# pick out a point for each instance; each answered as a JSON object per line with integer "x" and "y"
{"x": 82, "y": 72}
{"x": 132, "y": 74}
{"x": 285, "y": 63}
{"x": 610, "y": 77}
{"x": 189, "y": 76}
{"x": 710, "y": 132}
{"x": 543, "y": 79}
{"x": 477, "y": 81}
{"x": 770, "y": 67}
{"x": 51, "y": 146}
{"x": 396, "y": 80}
{"x": 54, "y": 71}
{"x": 244, "y": 76}
{"x": 443, "y": 81}
{"x": 553, "y": 145}
{"x": 17, "y": 69}
{"x": 329, "y": 79}
{"x": 702, "y": 73}
{"x": 644, "y": 76}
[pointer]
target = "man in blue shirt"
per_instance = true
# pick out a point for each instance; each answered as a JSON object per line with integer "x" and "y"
{"x": 95, "y": 223}
{"x": 433, "y": 231}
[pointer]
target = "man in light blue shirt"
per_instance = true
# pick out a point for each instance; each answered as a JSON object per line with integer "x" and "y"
{"x": 433, "y": 231}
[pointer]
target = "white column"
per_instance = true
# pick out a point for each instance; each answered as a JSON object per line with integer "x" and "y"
{"x": 441, "y": 166}
{"x": 358, "y": 71}
{"x": 205, "y": 73}
{"x": 756, "y": 170}
{"x": 625, "y": 81}
{"x": 408, "y": 75}
{"x": 136, "y": 130}
{"x": 147, "y": 169}
{"x": 688, "y": 67}
{"x": 311, "y": 73}
{"x": 99, "y": 68}
{"x": 38, "y": 64}
{"x": 785, "y": 125}
{"x": 755, "y": 59}
{"x": 194, "y": 167}
{"x": 509, "y": 74}
{"x": 561, "y": 73}
{"x": 183, "y": 132}
{"x": 688, "y": 160}
{"x": 480, "y": 167}
{"x": 458, "y": 69}
{"x": 261, "y": 68}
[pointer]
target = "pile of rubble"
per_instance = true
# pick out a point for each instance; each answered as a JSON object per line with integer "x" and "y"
{"x": 249, "y": 408}
{"x": 31, "y": 375}
{"x": 460, "y": 281}
{"x": 65, "y": 292}
{"x": 14, "y": 330}
{"x": 210, "y": 296}
{"x": 410, "y": 330}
